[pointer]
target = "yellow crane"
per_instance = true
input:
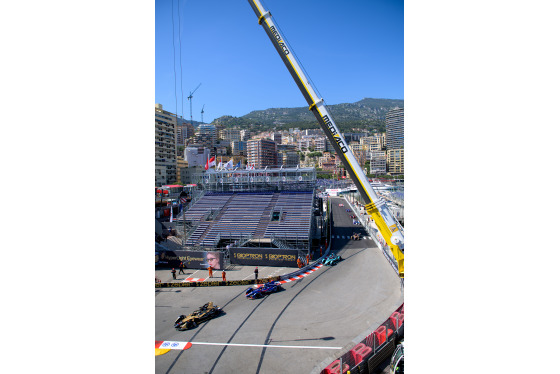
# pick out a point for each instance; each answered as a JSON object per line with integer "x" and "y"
{"x": 375, "y": 207}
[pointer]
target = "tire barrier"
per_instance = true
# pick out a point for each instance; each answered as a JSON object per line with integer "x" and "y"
{"x": 372, "y": 350}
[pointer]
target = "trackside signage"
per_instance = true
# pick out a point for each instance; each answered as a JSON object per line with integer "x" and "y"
{"x": 263, "y": 256}
{"x": 193, "y": 259}
{"x": 215, "y": 283}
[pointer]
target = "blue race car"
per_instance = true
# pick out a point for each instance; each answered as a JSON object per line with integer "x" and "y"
{"x": 265, "y": 289}
{"x": 331, "y": 260}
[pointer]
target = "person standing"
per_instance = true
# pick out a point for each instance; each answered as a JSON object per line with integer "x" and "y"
{"x": 181, "y": 268}
{"x": 224, "y": 275}
{"x": 210, "y": 271}
{"x": 256, "y": 273}
{"x": 173, "y": 272}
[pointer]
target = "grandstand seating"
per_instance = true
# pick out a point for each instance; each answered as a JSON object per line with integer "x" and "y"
{"x": 240, "y": 214}
{"x": 240, "y": 217}
{"x": 296, "y": 211}
{"x": 211, "y": 201}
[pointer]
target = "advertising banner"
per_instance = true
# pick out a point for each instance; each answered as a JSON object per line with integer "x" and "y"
{"x": 263, "y": 256}
{"x": 193, "y": 259}
{"x": 246, "y": 282}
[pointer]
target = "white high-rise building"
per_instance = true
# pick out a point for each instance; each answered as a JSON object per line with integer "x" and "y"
{"x": 165, "y": 146}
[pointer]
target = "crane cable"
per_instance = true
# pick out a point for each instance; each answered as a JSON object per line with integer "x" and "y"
{"x": 180, "y": 59}
{"x": 295, "y": 56}
{"x": 174, "y": 69}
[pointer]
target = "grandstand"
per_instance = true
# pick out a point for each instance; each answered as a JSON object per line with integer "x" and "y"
{"x": 283, "y": 217}
{"x": 273, "y": 206}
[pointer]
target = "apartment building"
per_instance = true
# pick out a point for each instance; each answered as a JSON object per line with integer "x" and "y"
{"x": 394, "y": 124}
{"x": 185, "y": 130}
{"x": 238, "y": 148}
{"x": 395, "y": 161}
{"x": 207, "y": 136}
{"x": 377, "y": 162}
{"x": 261, "y": 153}
{"x": 230, "y": 135}
{"x": 196, "y": 156}
{"x": 165, "y": 146}
{"x": 288, "y": 159}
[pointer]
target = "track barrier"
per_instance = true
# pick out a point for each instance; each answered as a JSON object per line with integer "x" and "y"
{"x": 372, "y": 350}
{"x": 359, "y": 352}
{"x": 334, "y": 368}
{"x": 397, "y": 319}
{"x": 216, "y": 283}
{"x": 381, "y": 335}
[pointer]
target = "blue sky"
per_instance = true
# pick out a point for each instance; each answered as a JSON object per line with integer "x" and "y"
{"x": 350, "y": 50}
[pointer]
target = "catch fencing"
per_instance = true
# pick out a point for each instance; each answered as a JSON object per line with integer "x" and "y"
{"x": 373, "y": 350}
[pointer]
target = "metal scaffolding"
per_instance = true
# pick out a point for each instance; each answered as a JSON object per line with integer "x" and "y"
{"x": 240, "y": 180}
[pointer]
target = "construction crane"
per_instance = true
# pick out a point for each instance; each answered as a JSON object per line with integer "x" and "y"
{"x": 375, "y": 207}
{"x": 190, "y": 99}
{"x": 202, "y": 114}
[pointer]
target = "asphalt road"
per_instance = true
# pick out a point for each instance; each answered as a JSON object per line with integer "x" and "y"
{"x": 320, "y": 314}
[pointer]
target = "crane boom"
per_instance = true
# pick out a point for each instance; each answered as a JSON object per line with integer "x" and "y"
{"x": 375, "y": 207}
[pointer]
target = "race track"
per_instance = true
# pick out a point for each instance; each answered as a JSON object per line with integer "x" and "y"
{"x": 320, "y": 314}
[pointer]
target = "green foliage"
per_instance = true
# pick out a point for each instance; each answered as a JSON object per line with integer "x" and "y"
{"x": 365, "y": 115}
{"x": 315, "y": 154}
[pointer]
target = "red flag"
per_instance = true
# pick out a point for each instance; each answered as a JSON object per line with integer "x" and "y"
{"x": 210, "y": 163}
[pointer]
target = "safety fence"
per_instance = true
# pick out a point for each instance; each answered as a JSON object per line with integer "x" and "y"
{"x": 370, "y": 352}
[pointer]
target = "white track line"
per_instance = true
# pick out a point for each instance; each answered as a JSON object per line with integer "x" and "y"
{"x": 192, "y": 275}
{"x": 266, "y": 346}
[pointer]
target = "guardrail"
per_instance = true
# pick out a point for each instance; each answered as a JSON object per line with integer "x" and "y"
{"x": 371, "y": 351}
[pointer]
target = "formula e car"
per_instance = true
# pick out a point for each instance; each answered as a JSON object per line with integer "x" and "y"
{"x": 204, "y": 313}
{"x": 331, "y": 260}
{"x": 265, "y": 289}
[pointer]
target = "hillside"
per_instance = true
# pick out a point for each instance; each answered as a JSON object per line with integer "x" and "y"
{"x": 367, "y": 113}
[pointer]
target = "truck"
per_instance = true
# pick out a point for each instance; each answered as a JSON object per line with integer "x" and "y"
{"x": 375, "y": 206}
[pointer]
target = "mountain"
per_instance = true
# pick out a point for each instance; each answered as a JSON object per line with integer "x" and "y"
{"x": 366, "y": 113}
